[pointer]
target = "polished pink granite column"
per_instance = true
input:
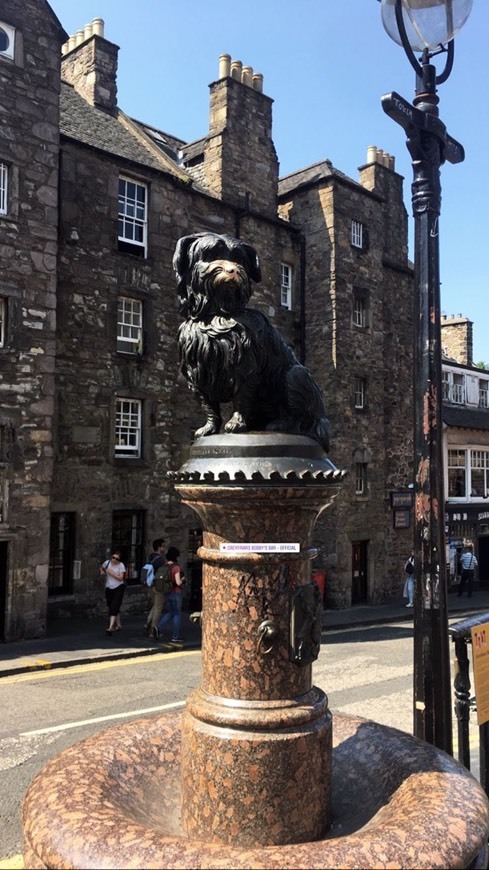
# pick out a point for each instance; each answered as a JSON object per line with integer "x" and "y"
{"x": 256, "y": 738}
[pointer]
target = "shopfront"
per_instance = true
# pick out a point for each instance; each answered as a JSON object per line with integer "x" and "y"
{"x": 467, "y": 524}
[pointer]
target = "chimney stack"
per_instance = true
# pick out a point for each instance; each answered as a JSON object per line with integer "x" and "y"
{"x": 376, "y": 155}
{"x": 89, "y": 63}
{"x": 240, "y": 162}
{"x": 457, "y": 338}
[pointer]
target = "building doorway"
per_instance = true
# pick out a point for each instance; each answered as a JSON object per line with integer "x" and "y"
{"x": 3, "y": 586}
{"x": 128, "y": 535}
{"x": 359, "y": 572}
{"x": 61, "y": 554}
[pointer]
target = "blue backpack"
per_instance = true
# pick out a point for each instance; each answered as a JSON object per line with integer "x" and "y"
{"x": 147, "y": 575}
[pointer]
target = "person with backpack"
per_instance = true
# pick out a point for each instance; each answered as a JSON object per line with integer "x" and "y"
{"x": 175, "y": 599}
{"x": 409, "y": 583}
{"x": 156, "y": 590}
{"x": 468, "y": 564}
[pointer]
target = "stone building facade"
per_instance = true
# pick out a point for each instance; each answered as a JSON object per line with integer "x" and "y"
{"x": 29, "y": 159}
{"x": 93, "y": 412}
{"x": 358, "y": 341}
{"x": 465, "y": 448}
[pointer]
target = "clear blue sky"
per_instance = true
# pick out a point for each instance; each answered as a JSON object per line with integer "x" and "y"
{"x": 326, "y": 65}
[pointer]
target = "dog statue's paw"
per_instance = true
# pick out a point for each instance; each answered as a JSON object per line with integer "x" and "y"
{"x": 236, "y": 423}
{"x": 210, "y": 428}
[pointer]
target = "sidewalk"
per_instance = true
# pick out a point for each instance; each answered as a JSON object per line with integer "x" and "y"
{"x": 395, "y": 610}
{"x": 82, "y": 641}
{"x": 76, "y": 641}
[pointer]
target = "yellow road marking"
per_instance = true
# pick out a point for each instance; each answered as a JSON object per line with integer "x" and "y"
{"x": 55, "y": 671}
{"x": 16, "y": 862}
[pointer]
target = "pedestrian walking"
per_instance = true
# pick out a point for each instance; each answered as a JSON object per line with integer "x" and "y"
{"x": 114, "y": 572}
{"x": 175, "y": 598}
{"x": 156, "y": 591}
{"x": 468, "y": 563}
{"x": 408, "y": 591}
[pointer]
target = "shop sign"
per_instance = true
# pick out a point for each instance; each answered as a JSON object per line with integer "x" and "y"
{"x": 402, "y": 519}
{"x": 480, "y": 659}
{"x": 401, "y": 499}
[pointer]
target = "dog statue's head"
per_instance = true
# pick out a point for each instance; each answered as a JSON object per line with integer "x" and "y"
{"x": 214, "y": 274}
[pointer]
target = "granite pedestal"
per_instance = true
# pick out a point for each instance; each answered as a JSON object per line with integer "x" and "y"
{"x": 254, "y": 774}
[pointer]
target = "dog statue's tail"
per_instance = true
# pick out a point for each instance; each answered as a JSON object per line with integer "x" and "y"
{"x": 306, "y": 406}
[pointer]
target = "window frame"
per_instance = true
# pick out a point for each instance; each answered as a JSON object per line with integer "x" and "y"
{"x": 3, "y": 321}
{"x": 361, "y": 305}
{"x": 134, "y": 345}
{"x": 10, "y": 33}
{"x": 359, "y": 393}
{"x": 467, "y": 466}
{"x": 4, "y": 187}
{"x": 134, "y": 413}
{"x": 483, "y": 393}
{"x": 361, "y": 478}
{"x": 457, "y": 462}
{"x": 454, "y": 388}
{"x": 128, "y": 243}
{"x": 286, "y": 278}
{"x": 357, "y": 234}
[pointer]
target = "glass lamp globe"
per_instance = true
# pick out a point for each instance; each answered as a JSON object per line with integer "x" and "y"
{"x": 428, "y": 23}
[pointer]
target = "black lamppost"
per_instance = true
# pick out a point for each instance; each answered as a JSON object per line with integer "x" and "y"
{"x": 427, "y": 26}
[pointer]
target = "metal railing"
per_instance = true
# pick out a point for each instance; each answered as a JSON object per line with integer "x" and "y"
{"x": 460, "y": 632}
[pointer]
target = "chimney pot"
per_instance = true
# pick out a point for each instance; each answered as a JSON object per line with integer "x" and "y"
{"x": 79, "y": 37}
{"x": 236, "y": 69}
{"x": 224, "y": 66}
{"x": 257, "y": 82}
{"x": 64, "y": 48}
{"x": 247, "y": 76}
{"x": 392, "y": 162}
{"x": 371, "y": 153}
{"x": 98, "y": 26}
{"x": 88, "y": 31}
{"x": 71, "y": 43}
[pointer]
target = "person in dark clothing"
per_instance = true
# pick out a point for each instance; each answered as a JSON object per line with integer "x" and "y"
{"x": 175, "y": 598}
{"x": 468, "y": 563}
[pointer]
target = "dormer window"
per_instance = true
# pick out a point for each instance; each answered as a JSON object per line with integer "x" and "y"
{"x": 483, "y": 393}
{"x": 7, "y": 40}
{"x": 453, "y": 388}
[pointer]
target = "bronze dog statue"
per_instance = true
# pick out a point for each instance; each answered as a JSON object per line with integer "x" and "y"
{"x": 231, "y": 353}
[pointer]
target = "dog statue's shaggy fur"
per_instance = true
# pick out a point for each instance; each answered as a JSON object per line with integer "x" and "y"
{"x": 231, "y": 353}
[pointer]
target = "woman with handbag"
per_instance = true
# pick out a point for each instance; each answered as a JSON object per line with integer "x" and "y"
{"x": 114, "y": 572}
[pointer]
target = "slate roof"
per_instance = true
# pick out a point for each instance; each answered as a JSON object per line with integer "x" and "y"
{"x": 111, "y": 133}
{"x": 465, "y": 418}
{"x": 170, "y": 145}
{"x": 311, "y": 175}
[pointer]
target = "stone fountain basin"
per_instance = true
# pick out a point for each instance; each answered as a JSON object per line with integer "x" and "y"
{"x": 113, "y": 801}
